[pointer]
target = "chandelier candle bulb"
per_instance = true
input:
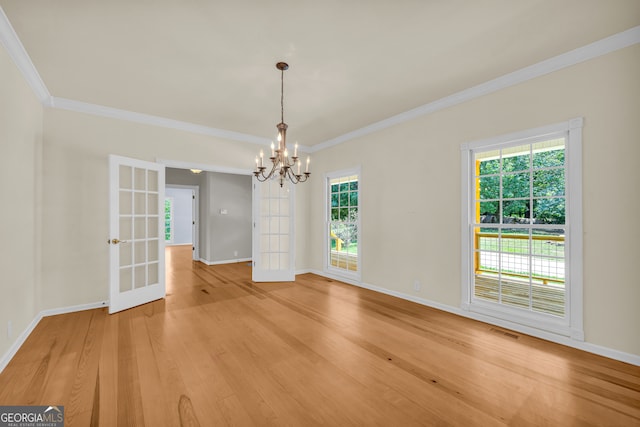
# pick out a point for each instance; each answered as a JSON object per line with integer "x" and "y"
{"x": 308, "y": 160}
{"x": 295, "y": 150}
{"x": 272, "y": 148}
{"x": 298, "y": 168}
{"x": 261, "y": 158}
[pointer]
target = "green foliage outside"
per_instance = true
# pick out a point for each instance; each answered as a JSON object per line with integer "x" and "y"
{"x": 167, "y": 220}
{"x": 344, "y": 215}
{"x": 548, "y": 182}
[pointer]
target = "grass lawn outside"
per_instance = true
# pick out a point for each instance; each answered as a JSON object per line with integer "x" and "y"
{"x": 521, "y": 246}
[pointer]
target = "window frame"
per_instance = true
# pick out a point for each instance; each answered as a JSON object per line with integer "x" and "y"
{"x": 328, "y": 268}
{"x": 571, "y": 324}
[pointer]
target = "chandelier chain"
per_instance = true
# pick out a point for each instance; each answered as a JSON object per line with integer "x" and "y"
{"x": 281, "y": 96}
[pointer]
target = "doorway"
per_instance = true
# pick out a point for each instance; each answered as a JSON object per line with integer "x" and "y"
{"x": 181, "y": 219}
{"x": 225, "y": 209}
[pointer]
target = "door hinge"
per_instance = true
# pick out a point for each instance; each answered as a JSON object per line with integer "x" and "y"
{"x": 193, "y": 196}
{"x": 193, "y": 222}
{"x": 193, "y": 248}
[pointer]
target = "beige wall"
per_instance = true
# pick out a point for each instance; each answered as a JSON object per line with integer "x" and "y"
{"x": 20, "y": 147}
{"x": 410, "y": 195}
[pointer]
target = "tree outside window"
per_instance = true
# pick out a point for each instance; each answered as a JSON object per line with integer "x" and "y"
{"x": 168, "y": 219}
{"x": 343, "y": 208}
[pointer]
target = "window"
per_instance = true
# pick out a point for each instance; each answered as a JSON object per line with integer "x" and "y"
{"x": 343, "y": 237}
{"x": 168, "y": 219}
{"x": 522, "y": 239}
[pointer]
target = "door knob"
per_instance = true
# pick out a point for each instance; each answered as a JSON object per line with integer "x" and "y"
{"x": 115, "y": 241}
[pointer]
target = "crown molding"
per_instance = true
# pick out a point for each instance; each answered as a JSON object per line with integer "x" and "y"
{"x": 14, "y": 47}
{"x": 116, "y": 113}
{"x": 148, "y": 119}
{"x": 601, "y": 47}
{"x": 20, "y": 57}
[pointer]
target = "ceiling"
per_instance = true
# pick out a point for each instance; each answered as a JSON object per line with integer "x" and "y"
{"x": 352, "y": 63}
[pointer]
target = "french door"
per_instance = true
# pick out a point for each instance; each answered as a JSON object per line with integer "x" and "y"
{"x": 273, "y": 244}
{"x": 136, "y": 244}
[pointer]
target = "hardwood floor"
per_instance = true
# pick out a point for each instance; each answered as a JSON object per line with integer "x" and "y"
{"x": 221, "y": 350}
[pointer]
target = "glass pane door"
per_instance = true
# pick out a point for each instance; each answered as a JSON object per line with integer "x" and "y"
{"x": 273, "y": 245}
{"x": 136, "y": 225}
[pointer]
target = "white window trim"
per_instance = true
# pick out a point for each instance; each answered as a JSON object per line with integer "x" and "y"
{"x": 328, "y": 269}
{"x": 572, "y": 324}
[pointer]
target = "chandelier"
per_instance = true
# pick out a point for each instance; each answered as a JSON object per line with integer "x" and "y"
{"x": 283, "y": 167}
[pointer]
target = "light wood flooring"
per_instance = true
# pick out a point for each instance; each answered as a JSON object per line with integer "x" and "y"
{"x": 221, "y": 350}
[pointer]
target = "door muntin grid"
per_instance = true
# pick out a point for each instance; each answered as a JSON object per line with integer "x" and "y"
{"x": 275, "y": 227}
{"x": 138, "y": 228}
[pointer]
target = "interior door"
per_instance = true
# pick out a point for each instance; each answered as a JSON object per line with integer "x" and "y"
{"x": 273, "y": 221}
{"x": 136, "y": 246}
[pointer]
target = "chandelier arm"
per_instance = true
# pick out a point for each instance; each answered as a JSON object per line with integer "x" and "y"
{"x": 292, "y": 177}
{"x": 261, "y": 175}
{"x": 273, "y": 169}
{"x": 297, "y": 178}
{"x": 303, "y": 178}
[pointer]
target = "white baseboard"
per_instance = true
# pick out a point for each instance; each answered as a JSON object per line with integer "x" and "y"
{"x": 559, "y": 339}
{"x": 6, "y": 358}
{"x": 73, "y": 308}
{"x": 226, "y": 261}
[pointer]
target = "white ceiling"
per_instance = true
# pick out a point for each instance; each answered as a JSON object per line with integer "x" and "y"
{"x": 352, "y": 63}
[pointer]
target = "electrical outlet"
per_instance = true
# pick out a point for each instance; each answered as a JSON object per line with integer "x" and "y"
{"x": 417, "y": 285}
{"x": 9, "y": 329}
{"x": 235, "y": 253}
